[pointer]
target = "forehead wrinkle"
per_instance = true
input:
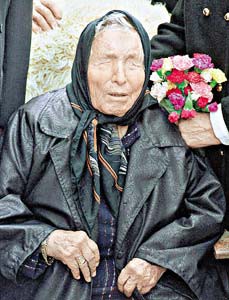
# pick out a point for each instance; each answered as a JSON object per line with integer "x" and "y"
{"x": 98, "y": 39}
{"x": 109, "y": 49}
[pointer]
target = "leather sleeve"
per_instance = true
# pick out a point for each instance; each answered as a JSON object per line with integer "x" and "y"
{"x": 181, "y": 244}
{"x": 20, "y": 232}
{"x": 170, "y": 39}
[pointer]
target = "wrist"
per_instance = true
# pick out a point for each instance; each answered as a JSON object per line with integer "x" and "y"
{"x": 45, "y": 254}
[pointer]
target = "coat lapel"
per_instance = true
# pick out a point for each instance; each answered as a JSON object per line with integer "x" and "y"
{"x": 60, "y": 157}
{"x": 147, "y": 164}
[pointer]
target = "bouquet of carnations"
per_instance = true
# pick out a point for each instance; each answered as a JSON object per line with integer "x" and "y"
{"x": 183, "y": 85}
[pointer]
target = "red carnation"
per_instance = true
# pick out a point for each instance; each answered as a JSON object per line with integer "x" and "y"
{"x": 193, "y": 77}
{"x": 176, "y": 91}
{"x": 202, "y": 102}
{"x": 192, "y": 113}
{"x": 176, "y": 76}
{"x": 187, "y": 89}
{"x": 188, "y": 114}
{"x": 185, "y": 114}
{"x": 173, "y": 117}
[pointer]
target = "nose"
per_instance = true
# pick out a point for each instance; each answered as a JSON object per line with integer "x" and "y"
{"x": 119, "y": 74}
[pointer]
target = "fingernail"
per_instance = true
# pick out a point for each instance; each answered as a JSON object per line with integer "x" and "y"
{"x": 78, "y": 277}
{"x": 94, "y": 274}
{"x": 89, "y": 280}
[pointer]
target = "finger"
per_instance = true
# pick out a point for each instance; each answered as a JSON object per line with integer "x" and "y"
{"x": 35, "y": 27}
{"x": 90, "y": 258}
{"x": 73, "y": 266}
{"x": 54, "y": 8}
{"x": 41, "y": 22}
{"x": 145, "y": 289}
{"x": 122, "y": 279}
{"x": 129, "y": 287}
{"x": 47, "y": 15}
{"x": 94, "y": 248}
{"x": 84, "y": 268}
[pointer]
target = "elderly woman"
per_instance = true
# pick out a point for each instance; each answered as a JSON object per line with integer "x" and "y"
{"x": 100, "y": 198}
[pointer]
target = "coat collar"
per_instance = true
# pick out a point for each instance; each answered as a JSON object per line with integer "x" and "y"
{"x": 57, "y": 118}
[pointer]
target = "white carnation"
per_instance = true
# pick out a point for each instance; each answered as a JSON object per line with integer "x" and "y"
{"x": 155, "y": 77}
{"x": 159, "y": 90}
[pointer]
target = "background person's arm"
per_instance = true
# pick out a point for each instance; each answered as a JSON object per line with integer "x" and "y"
{"x": 46, "y": 14}
{"x": 170, "y": 39}
{"x": 16, "y": 57}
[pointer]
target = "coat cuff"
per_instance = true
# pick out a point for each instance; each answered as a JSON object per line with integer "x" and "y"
{"x": 225, "y": 110}
{"x": 219, "y": 126}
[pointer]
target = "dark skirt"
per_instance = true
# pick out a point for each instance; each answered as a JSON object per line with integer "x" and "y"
{"x": 107, "y": 294}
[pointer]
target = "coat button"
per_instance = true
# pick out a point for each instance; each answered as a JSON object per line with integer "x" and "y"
{"x": 219, "y": 87}
{"x": 206, "y": 12}
{"x": 226, "y": 17}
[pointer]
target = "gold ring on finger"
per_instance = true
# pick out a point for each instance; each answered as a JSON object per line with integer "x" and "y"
{"x": 80, "y": 260}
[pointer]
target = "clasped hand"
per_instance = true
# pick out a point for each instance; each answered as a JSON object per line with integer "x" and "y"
{"x": 76, "y": 250}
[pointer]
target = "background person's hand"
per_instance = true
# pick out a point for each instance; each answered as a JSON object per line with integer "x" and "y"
{"x": 139, "y": 274}
{"x": 46, "y": 14}
{"x": 76, "y": 250}
{"x": 198, "y": 132}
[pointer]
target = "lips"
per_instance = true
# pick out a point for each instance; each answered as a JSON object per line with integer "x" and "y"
{"x": 118, "y": 94}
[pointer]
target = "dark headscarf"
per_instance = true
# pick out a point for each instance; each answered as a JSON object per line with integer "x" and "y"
{"x": 84, "y": 151}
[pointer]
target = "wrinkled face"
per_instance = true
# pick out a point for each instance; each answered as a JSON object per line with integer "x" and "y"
{"x": 115, "y": 71}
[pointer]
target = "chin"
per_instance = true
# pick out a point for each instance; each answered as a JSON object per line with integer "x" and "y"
{"x": 116, "y": 114}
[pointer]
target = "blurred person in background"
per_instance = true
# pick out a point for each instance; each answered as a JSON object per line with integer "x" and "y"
{"x": 170, "y": 4}
{"x": 15, "y": 39}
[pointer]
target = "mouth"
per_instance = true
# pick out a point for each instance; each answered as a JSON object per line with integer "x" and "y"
{"x": 118, "y": 94}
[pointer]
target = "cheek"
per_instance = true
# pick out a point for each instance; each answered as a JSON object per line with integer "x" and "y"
{"x": 137, "y": 82}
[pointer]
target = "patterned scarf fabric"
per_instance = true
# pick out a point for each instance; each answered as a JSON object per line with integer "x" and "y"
{"x": 93, "y": 170}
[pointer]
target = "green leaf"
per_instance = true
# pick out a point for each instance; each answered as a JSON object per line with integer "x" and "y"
{"x": 188, "y": 103}
{"x": 169, "y": 106}
{"x": 159, "y": 72}
{"x": 213, "y": 83}
{"x": 182, "y": 85}
{"x": 167, "y": 73}
{"x": 197, "y": 70}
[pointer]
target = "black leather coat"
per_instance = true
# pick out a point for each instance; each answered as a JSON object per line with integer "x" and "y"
{"x": 170, "y": 214}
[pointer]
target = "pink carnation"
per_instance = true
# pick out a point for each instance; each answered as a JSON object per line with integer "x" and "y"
{"x": 177, "y": 100}
{"x": 202, "y": 89}
{"x": 182, "y": 62}
{"x": 173, "y": 117}
{"x": 156, "y": 64}
{"x": 213, "y": 107}
{"x": 202, "y": 61}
